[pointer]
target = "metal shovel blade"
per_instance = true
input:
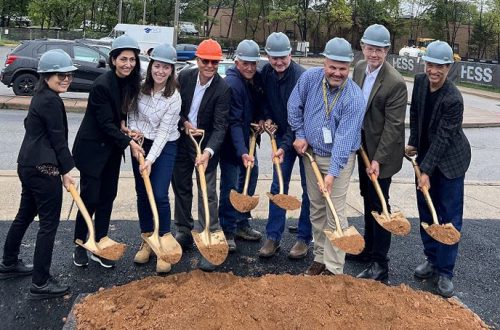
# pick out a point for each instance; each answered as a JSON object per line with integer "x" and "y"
{"x": 396, "y": 223}
{"x": 443, "y": 233}
{"x": 212, "y": 245}
{"x": 286, "y": 202}
{"x": 243, "y": 203}
{"x": 165, "y": 247}
{"x": 350, "y": 241}
{"x": 105, "y": 248}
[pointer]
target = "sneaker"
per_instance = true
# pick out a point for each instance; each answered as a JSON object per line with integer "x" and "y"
{"x": 231, "y": 243}
{"x": 142, "y": 256}
{"x": 17, "y": 269}
{"x": 444, "y": 286}
{"x": 51, "y": 289}
{"x": 80, "y": 257}
{"x": 106, "y": 263}
{"x": 248, "y": 233}
{"x": 424, "y": 270}
{"x": 316, "y": 268}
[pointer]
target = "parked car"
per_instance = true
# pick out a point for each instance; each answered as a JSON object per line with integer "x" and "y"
{"x": 224, "y": 65}
{"x": 186, "y": 52}
{"x": 188, "y": 28}
{"x": 21, "y": 65}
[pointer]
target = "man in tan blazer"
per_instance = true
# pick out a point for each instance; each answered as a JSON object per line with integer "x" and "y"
{"x": 383, "y": 139}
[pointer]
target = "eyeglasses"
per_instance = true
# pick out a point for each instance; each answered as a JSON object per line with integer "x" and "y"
{"x": 63, "y": 76}
{"x": 371, "y": 50}
{"x": 205, "y": 61}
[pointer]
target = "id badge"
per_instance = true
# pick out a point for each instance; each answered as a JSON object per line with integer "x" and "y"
{"x": 327, "y": 135}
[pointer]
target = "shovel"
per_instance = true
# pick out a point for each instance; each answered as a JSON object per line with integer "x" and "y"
{"x": 166, "y": 248}
{"x": 106, "y": 247}
{"x": 348, "y": 240}
{"x": 242, "y": 202}
{"x": 286, "y": 202}
{"x": 447, "y": 233}
{"x": 395, "y": 223}
{"x": 212, "y": 245}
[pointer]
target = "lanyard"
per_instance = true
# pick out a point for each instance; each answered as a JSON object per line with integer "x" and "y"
{"x": 328, "y": 109}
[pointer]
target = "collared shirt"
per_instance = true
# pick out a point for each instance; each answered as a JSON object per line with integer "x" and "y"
{"x": 156, "y": 117}
{"x": 369, "y": 81}
{"x": 307, "y": 117}
{"x": 199, "y": 91}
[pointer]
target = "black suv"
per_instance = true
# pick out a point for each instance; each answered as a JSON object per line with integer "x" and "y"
{"x": 21, "y": 64}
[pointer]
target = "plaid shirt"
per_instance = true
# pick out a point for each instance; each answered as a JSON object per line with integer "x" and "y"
{"x": 307, "y": 117}
{"x": 156, "y": 117}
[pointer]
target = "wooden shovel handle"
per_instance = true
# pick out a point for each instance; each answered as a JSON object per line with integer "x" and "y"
{"x": 375, "y": 183}
{"x": 201, "y": 175}
{"x": 276, "y": 160}
{"x": 424, "y": 190}
{"x": 321, "y": 183}
{"x": 151, "y": 197}
{"x": 251, "y": 152}
{"x": 83, "y": 210}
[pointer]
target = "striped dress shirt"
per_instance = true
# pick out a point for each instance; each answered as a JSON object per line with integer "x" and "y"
{"x": 156, "y": 117}
{"x": 307, "y": 117}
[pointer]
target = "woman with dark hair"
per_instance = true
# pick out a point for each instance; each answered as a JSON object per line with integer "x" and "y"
{"x": 156, "y": 117}
{"x": 99, "y": 144}
{"x": 43, "y": 159}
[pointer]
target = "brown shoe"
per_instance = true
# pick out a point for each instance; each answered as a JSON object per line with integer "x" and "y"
{"x": 269, "y": 248}
{"x": 299, "y": 250}
{"x": 316, "y": 268}
{"x": 142, "y": 256}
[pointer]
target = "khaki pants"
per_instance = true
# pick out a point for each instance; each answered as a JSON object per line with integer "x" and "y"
{"x": 321, "y": 216}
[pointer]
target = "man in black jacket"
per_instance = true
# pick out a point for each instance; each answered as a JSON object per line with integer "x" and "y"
{"x": 444, "y": 154}
{"x": 205, "y": 105}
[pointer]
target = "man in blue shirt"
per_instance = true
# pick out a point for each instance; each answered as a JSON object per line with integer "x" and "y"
{"x": 247, "y": 106}
{"x": 326, "y": 111}
{"x": 280, "y": 76}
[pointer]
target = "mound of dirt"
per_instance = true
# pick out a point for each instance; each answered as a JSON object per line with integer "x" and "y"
{"x": 198, "y": 300}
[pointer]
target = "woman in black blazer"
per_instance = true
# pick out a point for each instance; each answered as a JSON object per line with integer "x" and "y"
{"x": 99, "y": 144}
{"x": 44, "y": 157}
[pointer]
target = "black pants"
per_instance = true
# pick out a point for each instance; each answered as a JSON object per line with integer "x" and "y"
{"x": 41, "y": 194}
{"x": 98, "y": 195}
{"x": 182, "y": 184}
{"x": 377, "y": 239}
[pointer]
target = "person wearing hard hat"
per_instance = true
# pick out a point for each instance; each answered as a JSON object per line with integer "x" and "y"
{"x": 206, "y": 99}
{"x": 155, "y": 118}
{"x": 280, "y": 76}
{"x": 99, "y": 144}
{"x": 326, "y": 110}
{"x": 443, "y": 154}
{"x": 44, "y": 159}
{"x": 382, "y": 135}
{"x": 247, "y": 106}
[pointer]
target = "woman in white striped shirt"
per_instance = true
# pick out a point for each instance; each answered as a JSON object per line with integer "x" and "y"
{"x": 156, "y": 117}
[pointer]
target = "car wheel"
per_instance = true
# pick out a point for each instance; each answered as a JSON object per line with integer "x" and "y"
{"x": 24, "y": 84}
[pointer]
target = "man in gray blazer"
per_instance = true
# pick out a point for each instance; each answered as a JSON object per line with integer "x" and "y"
{"x": 383, "y": 139}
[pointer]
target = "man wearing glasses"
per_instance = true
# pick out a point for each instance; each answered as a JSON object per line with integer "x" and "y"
{"x": 205, "y": 105}
{"x": 280, "y": 76}
{"x": 382, "y": 137}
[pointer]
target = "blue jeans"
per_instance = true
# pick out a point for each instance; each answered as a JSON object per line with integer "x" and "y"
{"x": 161, "y": 174}
{"x": 276, "y": 219}
{"x": 448, "y": 198}
{"x": 233, "y": 177}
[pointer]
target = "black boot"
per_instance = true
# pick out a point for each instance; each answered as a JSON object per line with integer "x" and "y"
{"x": 375, "y": 271}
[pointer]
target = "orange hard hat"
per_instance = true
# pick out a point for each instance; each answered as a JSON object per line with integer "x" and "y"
{"x": 210, "y": 50}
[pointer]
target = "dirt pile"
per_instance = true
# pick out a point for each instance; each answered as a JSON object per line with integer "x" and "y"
{"x": 198, "y": 300}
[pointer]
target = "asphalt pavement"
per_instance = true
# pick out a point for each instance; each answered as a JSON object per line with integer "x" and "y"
{"x": 476, "y": 279}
